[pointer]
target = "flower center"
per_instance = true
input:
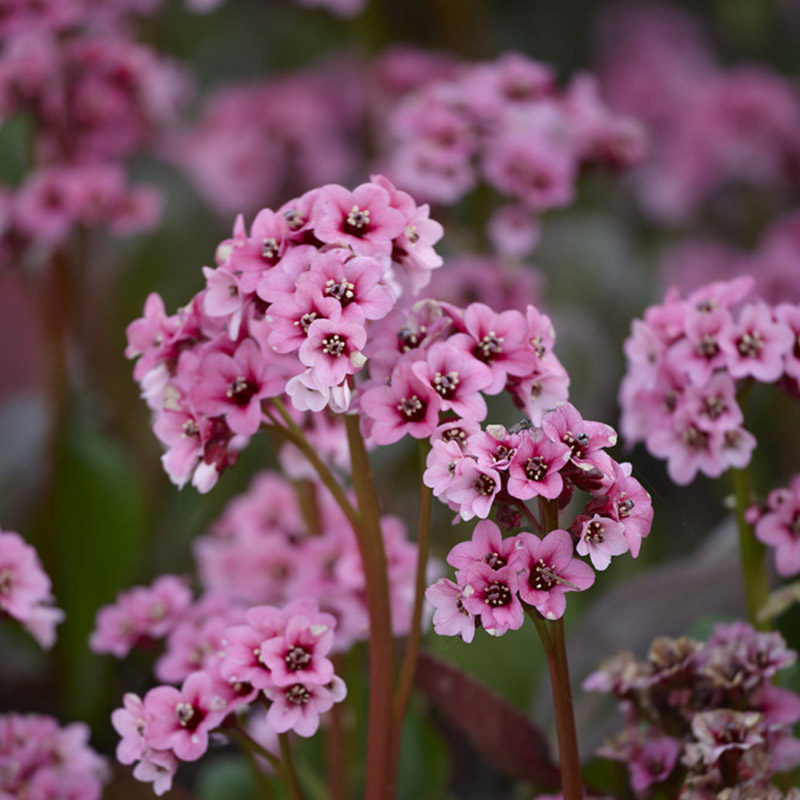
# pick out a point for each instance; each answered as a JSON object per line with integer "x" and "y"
{"x": 294, "y": 219}
{"x": 751, "y": 344}
{"x": 542, "y": 577}
{"x": 489, "y": 347}
{"x": 342, "y": 291}
{"x": 455, "y": 435}
{"x": 577, "y": 444}
{"x": 497, "y": 594}
{"x": 305, "y": 321}
{"x": 188, "y": 716}
{"x": 535, "y": 468}
{"x": 297, "y": 658}
{"x": 6, "y": 581}
{"x": 595, "y": 532}
{"x": 334, "y": 345}
{"x": 298, "y": 694}
{"x": 494, "y": 560}
{"x": 484, "y": 484}
{"x": 269, "y": 249}
{"x": 714, "y": 407}
{"x": 694, "y": 438}
{"x": 240, "y": 391}
{"x": 446, "y": 384}
{"x": 409, "y": 339}
{"x": 624, "y": 506}
{"x": 191, "y": 428}
{"x": 412, "y": 408}
{"x": 357, "y": 221}
{"x": 707, "y": 346}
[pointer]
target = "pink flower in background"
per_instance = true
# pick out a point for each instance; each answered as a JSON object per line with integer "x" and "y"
{"x": 25, "y": 589}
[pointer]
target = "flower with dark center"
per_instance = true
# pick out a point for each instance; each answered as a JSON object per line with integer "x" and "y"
{"x": 240, "y": 391}
{"x": 297, "y": 658}
{"x": 357, "y": 221}
{"x": 298, "y": 694}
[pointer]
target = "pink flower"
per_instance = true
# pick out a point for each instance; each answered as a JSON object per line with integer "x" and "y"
{"x": 25, "y": 589}
{"x": 355, "y": 282}
{"x": 298, "y": 654}
{"x": 450, "y": 618}
{"x": 442, "y": 465}
{"x": 492, "y": 594}
{"x": 547, "y": 570}
{"x": 363, "y": 218}
{"x": 298, "y": 706}
{"x": 333, "y": 350}
{"x": 473, "y": 490}
{"x": 181, "y": 719}
{"x": 498, "y": 341}
{"x": 534, "y": 469}
{"x": 234, "y": 385}
{"x": 486, "y": 546}
{"x": 687, "y": 448}
{"x": 756, "y": 344}
{"x": 457, "y": 378}
{"x": 407, "y": 406}
{"x": 130, "y": 722}
{"x": 601, "y": 538}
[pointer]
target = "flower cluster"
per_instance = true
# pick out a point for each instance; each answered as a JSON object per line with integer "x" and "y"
{"x": 475, "y": 472}
{"x": 777, "y": 524}
{"x": 264, "y": 549}
{"x": 287, "y": 310}
{"x": 506, "y": 123}
{"x": 42, "y": 760}
{"x": 276, "y": 656}
{"x": 441, "y": 359}
{"x": 25, "y": 589}
{"x": 95, "y": 97}
{"x": 253, "y": 140}
{"x": 711, "y": 126}
{"x": 704, "y": 716}
{"x": 684, "y": 361}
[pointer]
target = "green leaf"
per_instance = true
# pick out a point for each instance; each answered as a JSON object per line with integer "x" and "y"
{"x": 97, "y": 536}
{"x": 227, "y": 776}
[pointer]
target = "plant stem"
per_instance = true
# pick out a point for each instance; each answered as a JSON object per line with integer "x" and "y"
{"x": 409, "y": 666}
{"x": 293, "y": 785}
{"x": 569, "y": 760}
{"x": 751, "y": 551}
{"x": 380, "y": 753}
{"x": 252, "y": 746}
{"x": 551, "y": 633}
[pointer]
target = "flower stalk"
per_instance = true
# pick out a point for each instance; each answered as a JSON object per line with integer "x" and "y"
{"x": 751, "y": 552}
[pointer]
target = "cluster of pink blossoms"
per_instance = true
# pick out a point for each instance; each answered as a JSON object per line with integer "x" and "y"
{"x": 476, "y": 471}
{"x": 506, "y": 123}
{"x": 777, "y": 524}
{"x": 286, "y": 311}
{"x": 262, "y": 550}
{"x": 704, "y": 716}
{"x": 711, "y": 126}
{"x": 95, "y": 98}
{"x": 276, "y": 656}
{"x": 252, "y": 140}
{"x": 684, "y": 361}
{"x": 42, "y": 761}
{"x": 25, "y": 589}
{"x": 442, "y": 360}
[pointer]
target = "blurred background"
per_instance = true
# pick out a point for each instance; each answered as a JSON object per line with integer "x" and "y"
{"x": 132, "y": 133}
